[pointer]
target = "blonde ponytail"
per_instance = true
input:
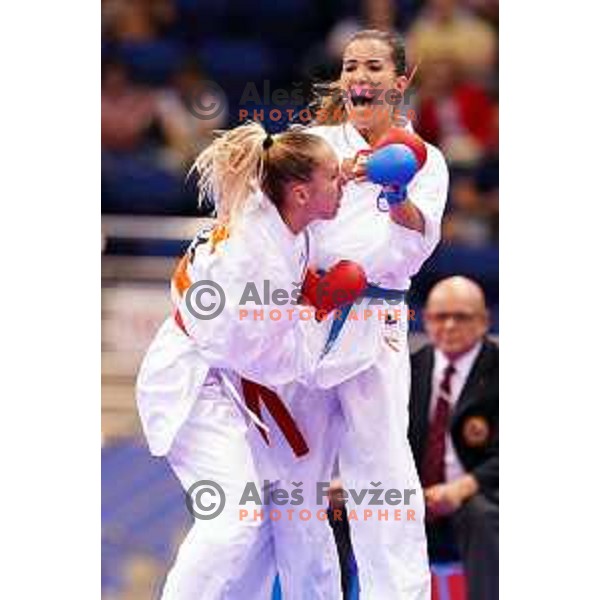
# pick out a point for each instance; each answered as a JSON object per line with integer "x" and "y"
{"x": 246, "y": 159}
{"x": 230, "y": 169}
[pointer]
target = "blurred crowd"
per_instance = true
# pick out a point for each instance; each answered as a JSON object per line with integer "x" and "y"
{"x": 160, "y": 57}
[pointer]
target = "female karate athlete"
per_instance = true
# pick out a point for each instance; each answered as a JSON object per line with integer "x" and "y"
{"x": 390, "y": 231}
{"x": 197, "y": 387}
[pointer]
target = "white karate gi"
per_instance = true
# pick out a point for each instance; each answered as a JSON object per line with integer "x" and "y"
{"x": 192, "y": 411}
{"x": 367, "y": 373}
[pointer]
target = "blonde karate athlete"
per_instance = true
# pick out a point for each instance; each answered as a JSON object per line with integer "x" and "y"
{"x": 390, "y": 232}
{"x": 196, "y": 389}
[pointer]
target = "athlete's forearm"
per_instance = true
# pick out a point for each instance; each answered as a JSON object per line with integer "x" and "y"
{"x": 408, "y": 215}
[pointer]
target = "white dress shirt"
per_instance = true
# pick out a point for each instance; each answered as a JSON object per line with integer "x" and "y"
{"x": 463, "y": 366}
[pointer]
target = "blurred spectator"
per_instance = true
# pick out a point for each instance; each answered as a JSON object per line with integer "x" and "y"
{"x": 338, "y": 519}
{"x": 452, "y": 113}
{"x": 472, "y": 218}
{"x": 444, "y": 29}
{"x": 136, "y": 176}
{"x": 184, "y": 115}
{"x": 486, "y": 9}
{"x": 487, "y": 175}
{"x": 137, "y": 20}
{"x": 453, "y": 432}
{"x": 153, "y": 95}
{"x": 473, "y": 209}
{"x": 127, "y": 110}
{"x": 142, "y": 574}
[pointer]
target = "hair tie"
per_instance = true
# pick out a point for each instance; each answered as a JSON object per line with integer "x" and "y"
{"x": 268, "y": 142}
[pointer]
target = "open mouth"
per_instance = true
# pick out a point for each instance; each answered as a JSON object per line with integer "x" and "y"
{"x": 362, "y": 96}
{"x": 360, "y": 100}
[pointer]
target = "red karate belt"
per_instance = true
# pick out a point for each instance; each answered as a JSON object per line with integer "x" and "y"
{"x": 254, "y": 394}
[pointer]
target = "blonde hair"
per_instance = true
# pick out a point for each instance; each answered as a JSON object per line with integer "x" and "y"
{"x": 245, "y": 159}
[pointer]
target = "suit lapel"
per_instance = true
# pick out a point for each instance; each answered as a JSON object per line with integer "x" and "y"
{"x": 424, "y": 390}
{"x": 468, "y": 395}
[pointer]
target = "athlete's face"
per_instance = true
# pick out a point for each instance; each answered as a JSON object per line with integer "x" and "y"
{"x": 370, "y": 83}
{"x": 325, "y": 187}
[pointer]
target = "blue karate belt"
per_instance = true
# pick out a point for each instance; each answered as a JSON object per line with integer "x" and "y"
{"x": 371, "y": 291}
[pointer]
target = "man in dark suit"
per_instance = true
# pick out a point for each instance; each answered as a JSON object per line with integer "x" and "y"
{"x": 453, "y": 432}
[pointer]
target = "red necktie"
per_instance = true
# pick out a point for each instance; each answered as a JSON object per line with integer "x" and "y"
{"x": 432, "y": 467}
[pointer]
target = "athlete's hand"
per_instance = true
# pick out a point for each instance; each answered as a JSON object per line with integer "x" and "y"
{"x": 354, "y": 168}
{"x": 342, "y": 284}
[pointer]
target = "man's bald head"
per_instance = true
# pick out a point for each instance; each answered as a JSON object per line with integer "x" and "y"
{"x": 459, "y": 289}
{"x": 456, "y": 317}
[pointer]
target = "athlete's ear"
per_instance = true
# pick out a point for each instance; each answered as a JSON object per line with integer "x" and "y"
{"x": 300, "y": 193}
{"x": 402, "y": 82}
